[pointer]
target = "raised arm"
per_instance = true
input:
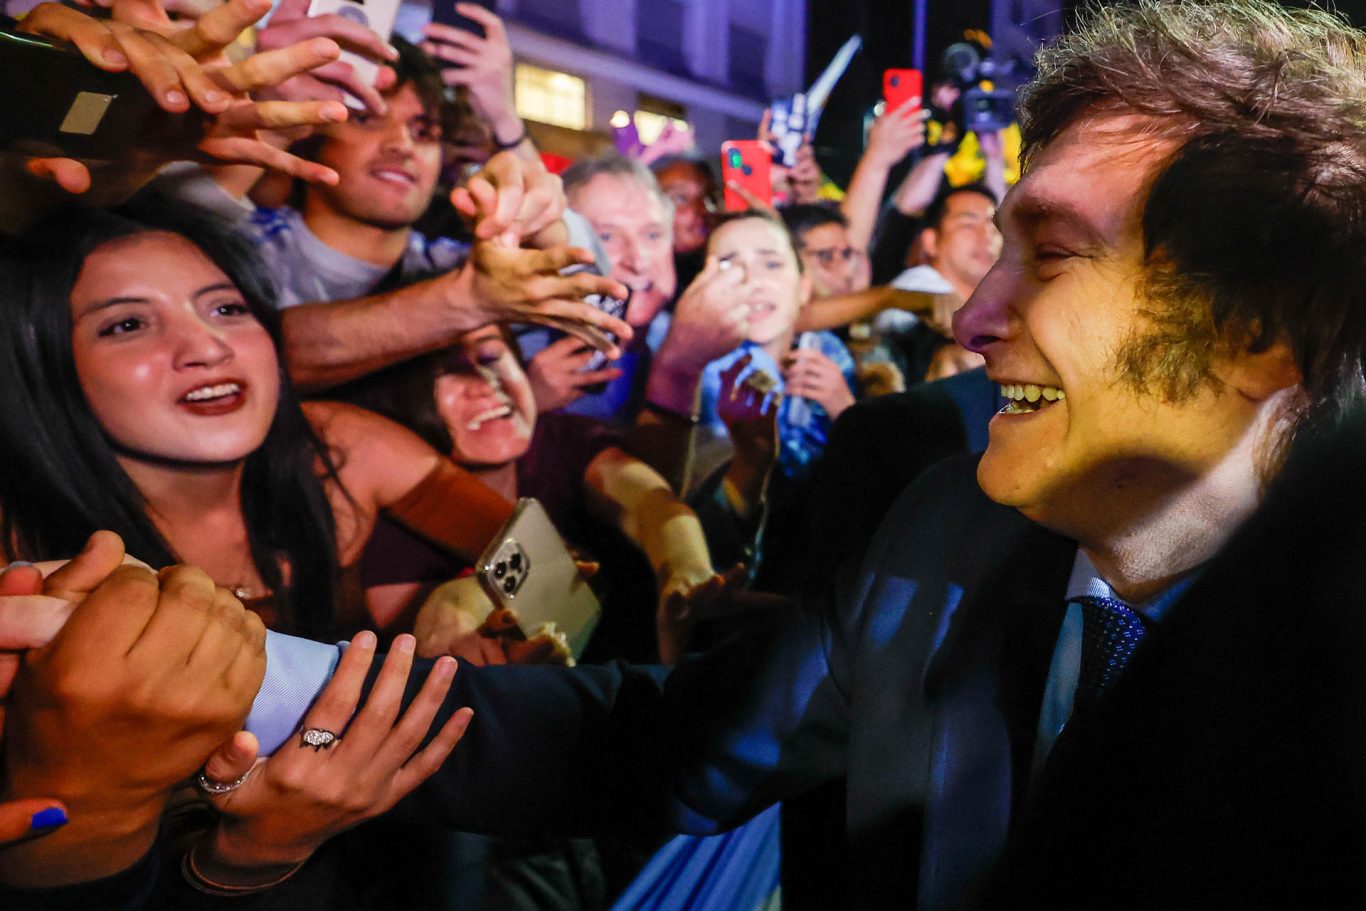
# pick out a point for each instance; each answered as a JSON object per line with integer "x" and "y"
{"x": 383, "y": 466}
{"x": 894, "y": 136}
{"x": 623, "y": 490}
{"x": 708, "y": 322}
{"x": 331, "y": 343}
{"x": 206, "y": 111}
{"x": 484, "y": 66}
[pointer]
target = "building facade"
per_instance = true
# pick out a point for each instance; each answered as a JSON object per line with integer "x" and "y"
{"x": 712, "y": 64}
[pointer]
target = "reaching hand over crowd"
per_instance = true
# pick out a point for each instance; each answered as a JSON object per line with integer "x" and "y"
{"x": 184, "y": 71}
{"x": 483, "y": 65}
{"x": 513, "y": 285}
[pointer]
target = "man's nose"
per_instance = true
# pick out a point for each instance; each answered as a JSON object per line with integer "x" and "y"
{"x": 397, "y": 136}
{"x": 635, "y": 254}
{"x": 985, "y": 318}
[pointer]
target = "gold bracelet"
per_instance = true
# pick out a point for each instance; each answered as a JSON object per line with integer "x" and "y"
{"x": 196, "y": 878}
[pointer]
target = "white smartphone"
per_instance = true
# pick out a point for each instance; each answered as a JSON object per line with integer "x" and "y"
{"x": 528, "y": 568}
{"x": 376, "y": 15}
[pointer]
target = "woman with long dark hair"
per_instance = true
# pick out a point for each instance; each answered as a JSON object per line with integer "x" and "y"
{"x": 142, "y": 390}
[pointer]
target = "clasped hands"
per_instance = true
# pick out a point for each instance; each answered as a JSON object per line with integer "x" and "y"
{"x": 118, "y": 684}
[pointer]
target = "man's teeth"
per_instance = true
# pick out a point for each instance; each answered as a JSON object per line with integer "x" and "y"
{"x": 492, "y": 414}
{"x": 204, "y": 393}
{"x": 1027, "y": 397}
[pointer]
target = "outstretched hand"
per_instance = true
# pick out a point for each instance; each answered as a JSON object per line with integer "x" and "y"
{"x": 719, "y": 597}
{"x": 750, "y": 414}
{"x": 304, "y": 794}
{"x": 205, "y": 110}
{"x": 459, "y": 619}
{"x": 149, "y": 675}
{"x": 508, "y": 284}
{"x": 514, "y": 200}
{"x": 292, "y": 25}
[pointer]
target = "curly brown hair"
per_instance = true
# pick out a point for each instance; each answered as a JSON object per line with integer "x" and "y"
{"x": 1254, "y": 228}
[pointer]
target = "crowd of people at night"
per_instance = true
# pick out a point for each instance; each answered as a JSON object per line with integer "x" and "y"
{"x": 956, "y": 540}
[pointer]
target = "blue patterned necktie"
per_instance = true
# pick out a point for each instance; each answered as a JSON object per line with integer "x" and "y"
{"x": 1111, "y": 631}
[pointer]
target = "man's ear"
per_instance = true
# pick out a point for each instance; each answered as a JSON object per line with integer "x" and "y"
{"x": 929, "y": 243}
{"x": 1260, "y": 375}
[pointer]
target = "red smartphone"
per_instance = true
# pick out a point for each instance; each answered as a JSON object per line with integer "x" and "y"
{"x": 747, "y": 162}
{"x": 901, "y": 87}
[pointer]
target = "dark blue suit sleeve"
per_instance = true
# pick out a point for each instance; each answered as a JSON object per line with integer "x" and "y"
{"x": 622, "y": 748}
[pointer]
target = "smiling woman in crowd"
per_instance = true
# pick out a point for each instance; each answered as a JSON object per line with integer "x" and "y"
{"x": 475, "y": 402}
{"x": 816, "y": 377}
{"x": 144, "y": 392}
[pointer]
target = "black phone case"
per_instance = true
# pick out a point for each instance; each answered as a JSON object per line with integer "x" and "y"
{"x": 60, "y": 104}
{"x": 443, "y": 11}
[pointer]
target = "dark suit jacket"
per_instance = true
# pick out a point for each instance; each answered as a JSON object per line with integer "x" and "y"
{"x": 876, "y": 449}
{"x": 1225, "y": 768}
{"x": 920, "y": 680}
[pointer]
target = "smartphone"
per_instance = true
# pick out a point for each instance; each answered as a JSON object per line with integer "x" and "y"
{"x": 613, "y": 306}
{"x": 798, "y": 408}
{"x": 443, "y": 11}
{"x": 376, "y": 15}
{"x": 788, "y": 123}
{"x": 901, "y": 87}
{"x": 528, "y": 569}
{"x": 62, "y": 105}
{"x": 747, "y": 162}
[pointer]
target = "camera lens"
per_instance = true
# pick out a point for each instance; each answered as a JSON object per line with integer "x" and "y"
{"x": 515, "y": 561}
{"x": 509, "y": 585}
{"x": 500, "y": 570}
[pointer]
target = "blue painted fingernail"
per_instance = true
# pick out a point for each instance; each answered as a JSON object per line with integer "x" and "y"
{"x": 50, "y": 818}
{"x": 18, "y": 563}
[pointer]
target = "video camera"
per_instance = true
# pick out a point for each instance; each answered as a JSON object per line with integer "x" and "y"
{"x": 978, "y": 109}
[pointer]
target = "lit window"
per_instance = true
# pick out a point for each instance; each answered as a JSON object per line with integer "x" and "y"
{"x": 547, "y": 96}
{"x": 649, "y": 125}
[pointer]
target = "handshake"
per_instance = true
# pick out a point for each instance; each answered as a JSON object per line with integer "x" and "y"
{"x": 118, "y": 684}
